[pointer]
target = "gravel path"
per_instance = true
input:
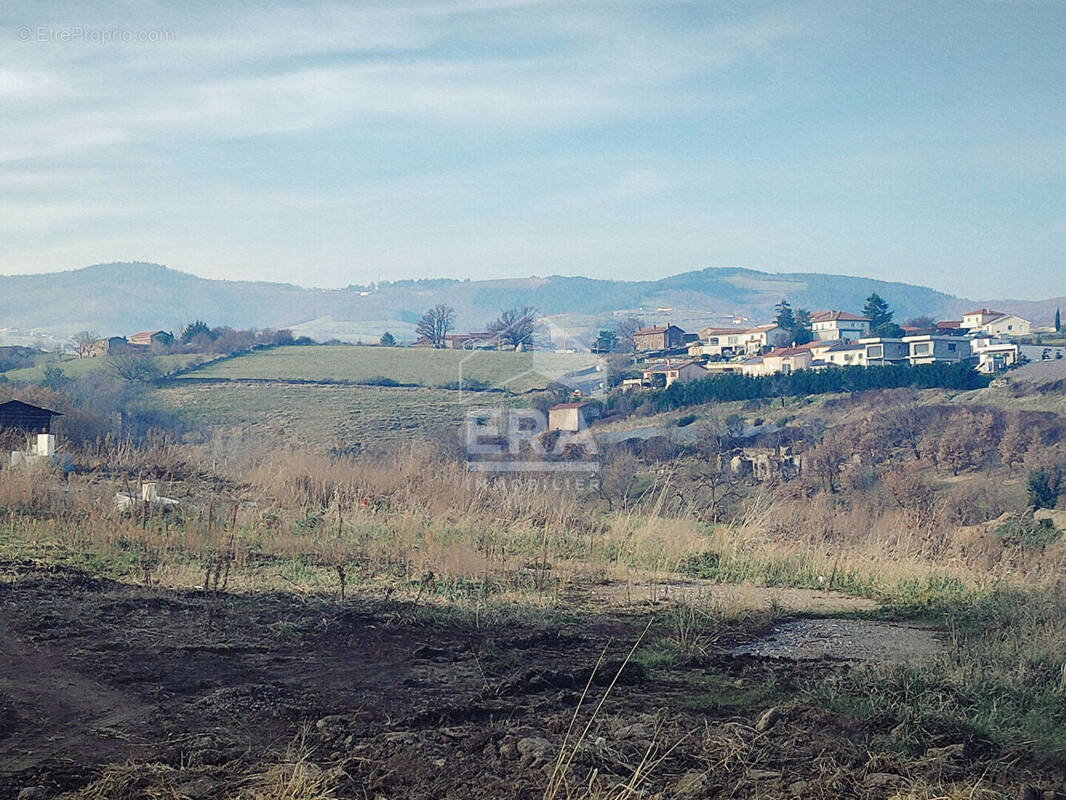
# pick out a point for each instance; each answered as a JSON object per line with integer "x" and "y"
{"x": 862, "y": 641}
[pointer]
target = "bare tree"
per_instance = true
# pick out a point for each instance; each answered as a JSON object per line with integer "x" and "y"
{"x": 913, "y": 494}
{"x": 1013, "y": 445}
{"x": 826, "y": 459}
{"x": 435, "y": 324}
{"x": 618, "y": 479}
{"x": 958, "y": 443}
{"x": 135, "y": 367}
{"x": 624, "y": 330}
{"x": 515, "y": 326}
{"x": 83, "y": 342}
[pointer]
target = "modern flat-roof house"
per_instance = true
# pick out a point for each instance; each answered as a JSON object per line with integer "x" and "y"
{"x": 839, "y": 325}
{"x": 734, "y": 341}
{"x": 929, "y": 348}
{"x": 675, "y": 372}
{"x": 572, "y": 416}
{"x": 994, "y": 355}
{"x": 662, "y": 337}
{"x": 883, "y": 351}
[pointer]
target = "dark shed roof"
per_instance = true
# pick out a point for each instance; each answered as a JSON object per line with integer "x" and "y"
{"x": 26, "y": 417}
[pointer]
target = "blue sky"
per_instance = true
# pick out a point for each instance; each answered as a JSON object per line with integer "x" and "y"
{"x": 328, "y": 144}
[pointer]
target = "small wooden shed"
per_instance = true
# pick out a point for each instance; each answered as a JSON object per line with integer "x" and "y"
{"x": 16, "y": 415}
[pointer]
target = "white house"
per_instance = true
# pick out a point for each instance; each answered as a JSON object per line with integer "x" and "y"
{"x": 783, "y": 359}
{"x": 975, "y": 319}
{"x": 818, "y": 348}
{"x": 734, "y": 341}
{"x": 839, "y": 325}
{"x": 846, "y": 354}
{"x": 996, "y": 323}
{"x": 1008, "y": 325}
{"x": 674, "y": 372}
{"x": 993, "y": 355}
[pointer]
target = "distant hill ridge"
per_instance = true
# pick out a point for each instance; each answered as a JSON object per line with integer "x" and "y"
{"x": 126, "y": 297}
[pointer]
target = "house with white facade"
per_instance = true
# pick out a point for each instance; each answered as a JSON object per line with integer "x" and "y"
{"x": 994, "y": 355}
{"x": 735, "y": 341}
{"x": 845, "y": 354}
{"x": 782, "y": 360}
{"x": 995, "y": 323}
{"x": 678, "y": 371}
{"x": 839, "y": 325}
{"x": 819, "y": 348}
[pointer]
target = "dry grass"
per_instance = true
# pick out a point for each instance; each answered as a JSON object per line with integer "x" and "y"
{"x": 415, "y": 523}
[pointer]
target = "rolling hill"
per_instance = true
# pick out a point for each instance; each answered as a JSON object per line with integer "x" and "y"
{"x": 125, "y": 297}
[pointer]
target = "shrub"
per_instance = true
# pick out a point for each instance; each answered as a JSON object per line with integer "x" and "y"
{"x": 379, "y": 380}
{"x": 1028, "y": 533}
{"x": 1045, "y": 484}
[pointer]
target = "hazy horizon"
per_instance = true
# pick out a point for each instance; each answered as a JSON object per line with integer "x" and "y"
{"x": 330, "y": 144}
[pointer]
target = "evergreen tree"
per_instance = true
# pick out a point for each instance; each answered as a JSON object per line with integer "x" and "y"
{"x": 194, "y": 329}
{"x": 387, "y": 340}
{"x": 801, "y": 327}
{"x": 1058, "y": 320}
{"x": 877, "y": 311}
{"x": 785, "y": 318}
{"x": 889, "y": 330}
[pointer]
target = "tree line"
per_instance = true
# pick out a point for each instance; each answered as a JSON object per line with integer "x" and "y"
{"x": 515, "y": 327}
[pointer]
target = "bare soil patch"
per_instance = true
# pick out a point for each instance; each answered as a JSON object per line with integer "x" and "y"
{"x": 112, "y": 690}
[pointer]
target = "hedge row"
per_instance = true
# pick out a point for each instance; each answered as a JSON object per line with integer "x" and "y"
{"x": 727, "y": 387}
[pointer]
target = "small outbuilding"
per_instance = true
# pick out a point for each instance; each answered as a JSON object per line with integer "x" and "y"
{"x": 16, "y": 415}
{"x": 26, "y": 417}
{"x": 572, "y": 416}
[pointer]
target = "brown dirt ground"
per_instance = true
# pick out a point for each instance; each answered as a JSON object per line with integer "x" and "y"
{"x": 202, "y": 692}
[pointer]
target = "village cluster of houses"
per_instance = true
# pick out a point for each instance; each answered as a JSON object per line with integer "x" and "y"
{"x": 138, "y": 342}
{"x": 985, "y": 338}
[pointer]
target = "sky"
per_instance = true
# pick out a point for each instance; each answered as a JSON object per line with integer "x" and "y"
{"x": 327, "y": 144}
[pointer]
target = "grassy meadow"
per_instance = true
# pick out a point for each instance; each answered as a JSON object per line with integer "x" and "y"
{"x": 323, "y": 417}
{"x": 74, "y": 367}
{"x": 513, "y": 372}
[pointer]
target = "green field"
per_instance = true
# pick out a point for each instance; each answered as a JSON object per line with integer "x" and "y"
{"x": 516, "y": 372}
{"x": 323, "y": 416}
{"x": 74, "y": 367}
